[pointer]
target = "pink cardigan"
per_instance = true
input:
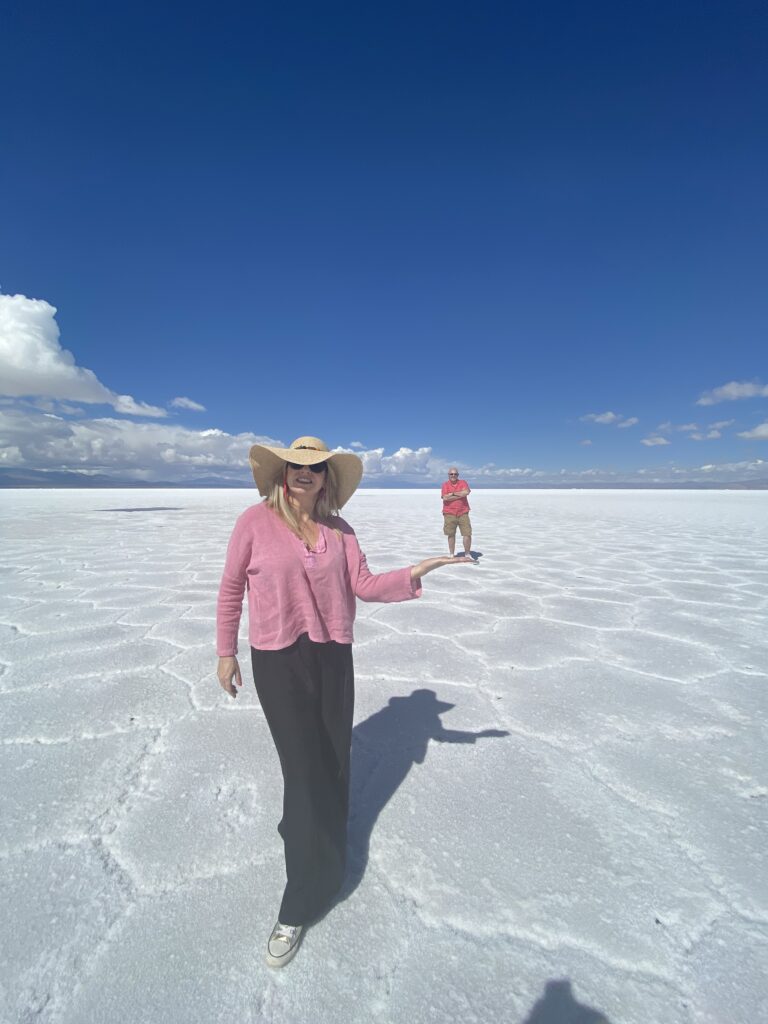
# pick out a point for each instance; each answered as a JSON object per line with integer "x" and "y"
{"x": 292, "y": 591}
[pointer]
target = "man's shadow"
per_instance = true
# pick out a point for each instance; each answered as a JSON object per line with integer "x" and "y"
{"x": 558, "y": 1006}
{"x": 384, "y": 747}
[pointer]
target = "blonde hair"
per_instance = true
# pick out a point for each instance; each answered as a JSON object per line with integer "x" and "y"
{"x": 326, "y": 507}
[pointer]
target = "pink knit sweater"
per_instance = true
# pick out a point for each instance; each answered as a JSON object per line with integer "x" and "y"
{"x": 292, "y": 591}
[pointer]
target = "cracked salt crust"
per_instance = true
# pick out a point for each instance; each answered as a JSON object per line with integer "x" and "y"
{"x": 614, "y": 837}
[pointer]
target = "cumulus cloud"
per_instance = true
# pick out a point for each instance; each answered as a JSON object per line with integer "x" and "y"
{"x": 151, "y": 452}
{"x": 129, "y": 405}
{"x": 356, "y": 444}
{"x": 758, "y": 433}
{"x": 33, "y": 363}
{"x": 11, "y": 456}
{"x": 187, "y": 403}
{"x": 694, "y": 431}
{"x": 732, "y": 391}
{"x": 711, "y": 435}
{"x": 155, "y": 452}
{"x": 749, "y": 469}
{"x": 653, "y": 440}
{"x": 499, "y": 474}
{"x": 412, "y": 465}
{"x": 610, "y": 418}
{"x": 754, "y": 471}
{"x": 139, "y": 451}
{"x": 600, "y": 417}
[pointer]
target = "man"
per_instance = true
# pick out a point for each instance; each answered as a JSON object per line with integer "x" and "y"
{"x": 456, "y": 511}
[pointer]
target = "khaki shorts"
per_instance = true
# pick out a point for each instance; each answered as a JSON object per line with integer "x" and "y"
{"x": 451, "y": 522}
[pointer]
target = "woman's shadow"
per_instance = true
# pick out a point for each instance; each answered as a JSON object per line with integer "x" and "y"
{"x": 384, "y": 747}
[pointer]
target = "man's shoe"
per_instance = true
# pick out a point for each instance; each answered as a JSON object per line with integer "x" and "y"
{"x": 283, "y": 944}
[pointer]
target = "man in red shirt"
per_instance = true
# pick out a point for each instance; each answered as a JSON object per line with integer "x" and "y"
{"x": 456, "y": 511}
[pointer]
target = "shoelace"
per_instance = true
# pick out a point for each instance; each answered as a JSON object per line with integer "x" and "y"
{"x": 285, "y": 933}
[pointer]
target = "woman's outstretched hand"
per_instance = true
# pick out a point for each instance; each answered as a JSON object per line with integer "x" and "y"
{"x": 422, "y": 568}
{"x": 227, "y": 671}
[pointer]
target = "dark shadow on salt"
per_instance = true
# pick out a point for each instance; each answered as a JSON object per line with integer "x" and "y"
{"x": 558, "y": 1006}
{"x": 384, "y": 748}
{"x": 151, "y": 508}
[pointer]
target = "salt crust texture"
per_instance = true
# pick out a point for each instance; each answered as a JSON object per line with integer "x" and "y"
{"x": 602, "y": 860}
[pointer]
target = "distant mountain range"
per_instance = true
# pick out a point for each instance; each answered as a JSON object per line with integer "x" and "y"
{"x": 55, "y": 478}
{"x": 31, "y": 478}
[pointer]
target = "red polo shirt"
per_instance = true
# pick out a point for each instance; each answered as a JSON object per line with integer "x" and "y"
{"x": 458, "y": 506}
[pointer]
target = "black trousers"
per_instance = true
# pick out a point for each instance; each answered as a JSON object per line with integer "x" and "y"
{"x": 307, "y": 693}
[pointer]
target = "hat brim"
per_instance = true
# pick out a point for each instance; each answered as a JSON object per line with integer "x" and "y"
{"x": 267, "y": 464}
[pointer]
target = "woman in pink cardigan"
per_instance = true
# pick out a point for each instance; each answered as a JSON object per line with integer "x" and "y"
{"x": 303, "y": 570}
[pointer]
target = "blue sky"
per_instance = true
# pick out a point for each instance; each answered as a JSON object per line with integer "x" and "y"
{"x": 442, "y": 232}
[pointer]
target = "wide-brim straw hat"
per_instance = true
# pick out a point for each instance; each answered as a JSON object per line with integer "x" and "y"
{"x": 268, "y": 463}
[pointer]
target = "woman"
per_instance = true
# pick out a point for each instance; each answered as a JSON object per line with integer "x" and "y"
{"x": 303, "y": 569}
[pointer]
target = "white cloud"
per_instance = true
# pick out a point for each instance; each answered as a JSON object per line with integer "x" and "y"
{"x": 668, "y": 427}
{"x": 732, "y": 391}
{"x": 758, "y": 433}
{"x": 752, "y": 466}
{"x": 499, "y": 474}
{"x": 166, "y": 451}
{"x": 722, "y": 472}
{"x": 711, "y": 435}
{"x": 610, "y": 417}
{"x": 694, "y": 432}
{"x": 11, "y": 456}
{"x": 124, "y": 448}
{"x": 187, "y": 403}
{"x": 356, "y": 444}
{"x": 586, "y": 442}
{"x": 409, "y": 463}
{"x": 33, "y": 363}
{"x": 408, "y": 460}
{"x": 600, "y": 417}
{"x": 128, "y": 405}
{"x": 163, "y": 451}
{"x": 654, "y": 440}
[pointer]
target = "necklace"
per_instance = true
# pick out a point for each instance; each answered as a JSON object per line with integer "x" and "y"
{"x": 309, "y": 537}
{"x": 312, "y": 545}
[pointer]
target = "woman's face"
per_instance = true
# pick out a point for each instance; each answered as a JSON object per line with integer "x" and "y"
{"x": 303, "y": 482}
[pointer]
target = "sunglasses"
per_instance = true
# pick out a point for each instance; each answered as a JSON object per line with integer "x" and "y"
{"x": 316, "y": 467}
{"x": 453, "y": 474}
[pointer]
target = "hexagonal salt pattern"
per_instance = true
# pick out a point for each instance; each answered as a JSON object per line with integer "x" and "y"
{"x": 559, "y": 787}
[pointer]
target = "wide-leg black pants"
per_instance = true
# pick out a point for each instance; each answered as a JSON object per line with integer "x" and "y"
{"x": 307, "y": 695}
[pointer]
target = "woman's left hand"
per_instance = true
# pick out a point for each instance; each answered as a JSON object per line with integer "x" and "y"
{"x": 428, "y": 564}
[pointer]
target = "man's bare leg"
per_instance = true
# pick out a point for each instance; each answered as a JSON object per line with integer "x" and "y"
{"x": 452, "y": 544}
{"x": 467, "y": 544}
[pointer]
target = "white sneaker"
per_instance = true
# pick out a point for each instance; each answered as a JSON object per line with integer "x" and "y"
{"x": 283, "y": 944}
